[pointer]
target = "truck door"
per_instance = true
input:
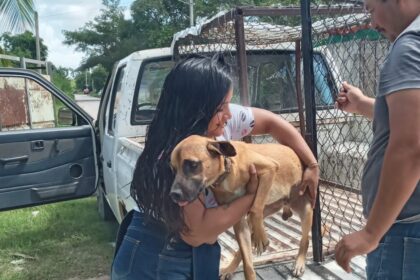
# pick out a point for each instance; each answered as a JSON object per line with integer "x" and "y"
{"x": 47, "y": 143}
{"x": 127, "y": 106}
{"x": 107, "y": 118}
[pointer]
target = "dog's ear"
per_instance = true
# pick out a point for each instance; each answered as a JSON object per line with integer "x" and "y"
{"x": 224, "y": 148}
{"x": 174, "y": 157}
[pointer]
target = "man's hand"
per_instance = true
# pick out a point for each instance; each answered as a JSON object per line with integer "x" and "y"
{"x": 310, "y": 181}
{"x": 349, "y": 98}
{"x": 356, "y": 243}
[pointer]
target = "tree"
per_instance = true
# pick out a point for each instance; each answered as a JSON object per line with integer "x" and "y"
{"x": 95, "y": 79}
{"x": 109, "y": 37}
{"x": 157, "y": 20}
{"x": 16, "y": 15}
{"x": 98, "y": 78}
{"x": 61, "y": 79}
{"x": 106, "y": 39}
{"x": 22, "y": 45}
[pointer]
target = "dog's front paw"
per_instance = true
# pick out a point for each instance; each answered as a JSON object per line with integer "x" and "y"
{"x": 299, "y": 268}
{"x": 260, "y": 244}
{"x": 225, "y": 275}
{"x": 259, "y": 238}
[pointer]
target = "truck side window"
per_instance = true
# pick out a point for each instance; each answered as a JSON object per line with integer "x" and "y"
{"x": 323, "y": 90}
{"x": 25, "y": 104}
{"x": 115, "y": 99}
{"x": 153, "y": 74}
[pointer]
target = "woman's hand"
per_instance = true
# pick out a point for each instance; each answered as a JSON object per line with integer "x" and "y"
{"x": 252, "y": 185}
{"x": 310, "y": 181}
{"x": 206, "y": 224}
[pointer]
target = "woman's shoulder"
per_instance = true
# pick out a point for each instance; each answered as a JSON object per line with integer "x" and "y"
{"x": 241, "y": 123}
{"x": 243, "y": 112}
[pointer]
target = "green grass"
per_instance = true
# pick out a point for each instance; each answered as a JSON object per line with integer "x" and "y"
{"x": 66, "y": 240}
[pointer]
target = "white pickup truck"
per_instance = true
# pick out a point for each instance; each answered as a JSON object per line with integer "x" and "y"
{"x": 74, "y": 156}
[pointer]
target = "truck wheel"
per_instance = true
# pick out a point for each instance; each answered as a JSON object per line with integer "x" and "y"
{"x": 103, "y": 207}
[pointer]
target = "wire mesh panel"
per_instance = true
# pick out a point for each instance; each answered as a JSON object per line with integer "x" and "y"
{"x": 272, "y": 57}
{"x": 354, "y": 53}
{"x": 264, "y": 46}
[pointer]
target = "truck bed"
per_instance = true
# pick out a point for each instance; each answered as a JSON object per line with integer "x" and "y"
{"x": 277, "y": 261}
{"x": 327, "y": 270}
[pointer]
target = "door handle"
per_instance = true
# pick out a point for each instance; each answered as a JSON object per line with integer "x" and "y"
{"x": 109, "y": 164}
{"x": 37, "y": 145}
{"x": 5, "y": 161}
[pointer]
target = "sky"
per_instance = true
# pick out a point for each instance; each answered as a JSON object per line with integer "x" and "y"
{"x": 58, "y": 15}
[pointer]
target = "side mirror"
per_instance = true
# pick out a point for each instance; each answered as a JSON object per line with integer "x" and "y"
{"x": 66, "y": 117}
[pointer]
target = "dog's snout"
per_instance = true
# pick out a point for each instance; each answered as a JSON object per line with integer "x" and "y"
{"x": 176, "y": 195}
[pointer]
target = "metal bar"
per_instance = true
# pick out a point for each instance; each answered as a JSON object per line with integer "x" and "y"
{"x": 34, "y": 61}
{"x": 241, "y": 58}
{"x": 17, "y": 58}
{"x": 220, "y": 21}
{"x": 22, "y": 63}
{"x": 310, "y": 109}
{"x": 339, "y": 186}
{"x": 9, "y": 57}
{"x": 298, "y": 60}
{"x": 29, "y": 102}
{"x": 38, "y": 51}
{"x": 175, "y": 53}
{"x": 296, "y": 11}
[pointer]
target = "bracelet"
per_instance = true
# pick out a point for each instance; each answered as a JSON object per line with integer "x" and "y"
{"x": 312, "y": 165}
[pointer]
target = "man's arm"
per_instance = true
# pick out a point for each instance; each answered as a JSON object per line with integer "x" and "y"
{"x": 399, "y": 176}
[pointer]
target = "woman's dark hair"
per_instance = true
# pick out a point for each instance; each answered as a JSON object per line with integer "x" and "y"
{"x": 191, "y": 95}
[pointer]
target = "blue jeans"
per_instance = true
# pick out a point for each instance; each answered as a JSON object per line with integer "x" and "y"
{"x": 398, "y": 255}
{"x": 144, "y": 251}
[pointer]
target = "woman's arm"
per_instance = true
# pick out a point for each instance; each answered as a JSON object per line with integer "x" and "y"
{"x": 267, "y": 122}
{"x": 205, "y": 224}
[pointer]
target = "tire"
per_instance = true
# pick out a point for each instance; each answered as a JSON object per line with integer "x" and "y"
{"x": 104, "y": 209}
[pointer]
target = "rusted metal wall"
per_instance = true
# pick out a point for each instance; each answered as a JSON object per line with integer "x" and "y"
{"x": 24, "y": 104}
{"x": 13, "y": 103}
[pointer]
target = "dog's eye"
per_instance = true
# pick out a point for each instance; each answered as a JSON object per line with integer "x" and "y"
{"x": 191, "y": 166}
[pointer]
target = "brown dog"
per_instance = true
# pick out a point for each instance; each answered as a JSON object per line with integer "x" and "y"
{"x": 200, "y": 162}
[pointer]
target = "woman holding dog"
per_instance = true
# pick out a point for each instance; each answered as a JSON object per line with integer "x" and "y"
{"x": 165, "y": 240}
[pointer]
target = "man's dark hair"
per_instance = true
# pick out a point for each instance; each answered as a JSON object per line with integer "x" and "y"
{"x": 191, "y": 95}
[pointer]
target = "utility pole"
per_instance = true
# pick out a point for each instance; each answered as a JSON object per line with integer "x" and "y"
{"x": 191, "y": 12}
{"x": 191, "y": 4}
{"x": 38, "y": 51}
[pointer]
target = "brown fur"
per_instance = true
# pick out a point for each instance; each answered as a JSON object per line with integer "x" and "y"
{"x": 279, "y": 173}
